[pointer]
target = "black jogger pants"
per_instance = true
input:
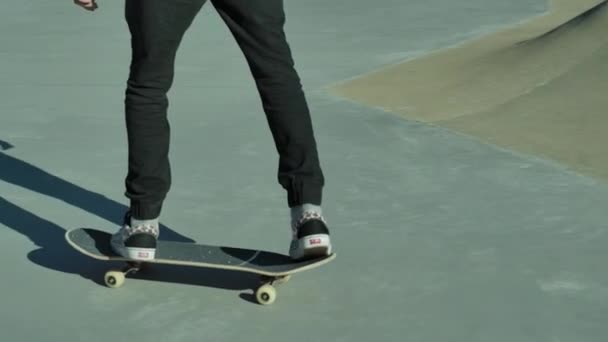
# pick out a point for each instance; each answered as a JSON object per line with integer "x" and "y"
{"x": 157, "y": 28}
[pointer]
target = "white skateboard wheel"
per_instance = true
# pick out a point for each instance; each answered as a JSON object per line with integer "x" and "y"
{"x": 266, "y": 294}
{"x": 114, "y": 279}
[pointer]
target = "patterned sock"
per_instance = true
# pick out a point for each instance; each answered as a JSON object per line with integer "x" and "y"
{"x": 300, "y": 214}
{"x": 152, "y": 222}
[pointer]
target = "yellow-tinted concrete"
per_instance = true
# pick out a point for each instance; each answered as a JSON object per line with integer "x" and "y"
{"x": 538, "y": 88}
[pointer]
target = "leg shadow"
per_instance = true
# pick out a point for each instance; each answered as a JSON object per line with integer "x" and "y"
{"x": 25, "y": 175}
{"x": 56, "y": 254}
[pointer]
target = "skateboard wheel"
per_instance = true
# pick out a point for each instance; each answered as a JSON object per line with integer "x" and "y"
{"x": 114, "y": 279}
{"x": 266, "y": 294}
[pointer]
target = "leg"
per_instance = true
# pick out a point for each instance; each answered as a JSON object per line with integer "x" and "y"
{"x": 257, "y": 26}
{"x": 157, "y": 28}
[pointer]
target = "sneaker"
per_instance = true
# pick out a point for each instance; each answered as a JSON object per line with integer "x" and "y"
{"x": 138, "y": 243}
{"x": 310, "y": 238}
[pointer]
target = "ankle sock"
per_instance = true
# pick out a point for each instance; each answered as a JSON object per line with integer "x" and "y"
{"x": 152, "y": 222}
{"x": 297, "y": 212}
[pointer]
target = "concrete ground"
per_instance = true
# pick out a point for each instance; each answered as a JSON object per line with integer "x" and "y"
{"x": 450, "y": 225}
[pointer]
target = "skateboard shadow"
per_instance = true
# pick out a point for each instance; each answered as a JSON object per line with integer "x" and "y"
{"x": 199, "y": 276}
{"x": 55, "y": 253}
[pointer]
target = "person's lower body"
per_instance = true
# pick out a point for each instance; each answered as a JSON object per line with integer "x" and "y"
{"x": 157, "y": 28}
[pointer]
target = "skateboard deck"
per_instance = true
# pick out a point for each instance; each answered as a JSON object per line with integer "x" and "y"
{"x": 274, "y": 268}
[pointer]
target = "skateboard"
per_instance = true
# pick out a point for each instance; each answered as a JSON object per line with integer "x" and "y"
{"x": 273, "y": 268}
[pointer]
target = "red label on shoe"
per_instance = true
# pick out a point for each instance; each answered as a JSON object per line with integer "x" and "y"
{"x": 143, "y": 254}
{"x": 314, "y": 241}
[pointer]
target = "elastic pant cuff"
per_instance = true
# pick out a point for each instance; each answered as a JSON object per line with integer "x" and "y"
{"x": 145, "y": 211}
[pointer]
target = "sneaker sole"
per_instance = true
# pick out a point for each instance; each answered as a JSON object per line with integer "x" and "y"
{"x": 312, "y": 246}
{"x": 316, "y": 252}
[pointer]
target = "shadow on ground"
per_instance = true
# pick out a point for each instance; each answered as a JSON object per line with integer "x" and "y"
{"x": 55, "y": 253}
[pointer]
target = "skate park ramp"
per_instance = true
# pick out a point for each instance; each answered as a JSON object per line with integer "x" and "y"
{"x": 538, "y": 88}
{"x": 443, "y": 231}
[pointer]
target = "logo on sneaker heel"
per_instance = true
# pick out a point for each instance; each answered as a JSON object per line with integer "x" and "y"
{"x": 313, "y": 242}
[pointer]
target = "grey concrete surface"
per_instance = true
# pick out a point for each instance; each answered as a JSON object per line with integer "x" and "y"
{"x": 440, "y": 237}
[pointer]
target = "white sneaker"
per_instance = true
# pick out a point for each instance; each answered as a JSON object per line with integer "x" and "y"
{"x": 137, "y": 243}
{"x": 310, "y": 238}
